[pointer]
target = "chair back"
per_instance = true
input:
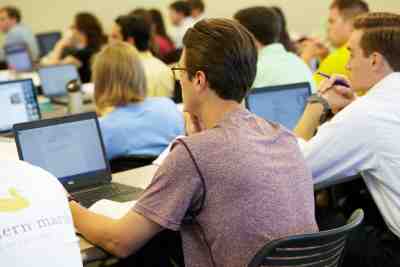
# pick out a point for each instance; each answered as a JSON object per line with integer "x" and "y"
{"x": 322, "y": 249}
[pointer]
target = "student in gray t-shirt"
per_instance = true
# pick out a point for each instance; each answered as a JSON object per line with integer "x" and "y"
{"x": 244, "y": 178}
{"x": 10, "y": 24}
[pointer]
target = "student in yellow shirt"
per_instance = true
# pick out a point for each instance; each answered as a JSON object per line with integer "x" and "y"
{"x": 340, "y": 26}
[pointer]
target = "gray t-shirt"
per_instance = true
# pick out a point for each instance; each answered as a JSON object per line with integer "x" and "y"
{"x": 258, "y": 189}
{"x": 21, "y": 34}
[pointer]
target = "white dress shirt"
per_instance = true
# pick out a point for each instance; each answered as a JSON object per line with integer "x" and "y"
{"x": 187, "y": 23}
{"x": 364, "y": 137}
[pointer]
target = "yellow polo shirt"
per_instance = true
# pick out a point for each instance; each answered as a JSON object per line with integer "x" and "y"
{"x": 335, "y": 63}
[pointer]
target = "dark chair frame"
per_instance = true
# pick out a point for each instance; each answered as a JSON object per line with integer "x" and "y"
{"x": 130, "y": 162}
{"x": 322, "y": 249}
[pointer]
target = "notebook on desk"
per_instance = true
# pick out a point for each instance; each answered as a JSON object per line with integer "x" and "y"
{"x": 54, "y": 81}
{"x": 283, "y": 104}
{"x": 71, "y": 148}
{"x": 18, "y": 103}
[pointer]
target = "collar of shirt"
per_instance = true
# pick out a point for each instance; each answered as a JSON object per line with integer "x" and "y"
{"x": 145, "y": 54}
{"x": 390, "y": 82}
{"x": 187, "y": 22}
{"x": 272, "y": 50}
{"x": 16, "y": 28}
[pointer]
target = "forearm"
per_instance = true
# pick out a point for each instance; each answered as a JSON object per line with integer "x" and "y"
{"x": 55, "y": 56}
{"x": 97, "y": 229}
{"x": 309, "y": 122}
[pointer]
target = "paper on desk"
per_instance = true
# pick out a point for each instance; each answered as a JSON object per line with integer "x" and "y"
{"x": 159, "y": 161}
{"x": 4, "y": 75}
{"x": 112, "y": 209}
{"x": 8, "y": 150}
{"x": 88, "y": 89}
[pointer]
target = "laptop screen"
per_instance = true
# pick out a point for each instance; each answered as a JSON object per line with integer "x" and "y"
{"x": 67, "y": 149}
{"x": 18, "y": 103}
{"x": 47, "y": 41}
{"x": 282, "y": 104}
{"x": 18, "y": 57}
{"x": 54, "y": 79}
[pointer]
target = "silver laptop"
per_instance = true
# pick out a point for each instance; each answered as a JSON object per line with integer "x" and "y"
{"x": 282, "y": 104}
{"x": 18, "y": 57}
{"x": 72, "y": 149}
{"x": 18, "y": 103}
{"x": 54, "y": 81}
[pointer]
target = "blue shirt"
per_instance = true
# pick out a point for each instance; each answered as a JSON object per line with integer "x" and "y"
{"x": 276, "y": 66}
{"x": 21, "y": 34}
{"x": 144, "y": 128}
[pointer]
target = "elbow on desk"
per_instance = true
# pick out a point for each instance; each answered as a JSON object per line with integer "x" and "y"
{"x": 118, "y": 248}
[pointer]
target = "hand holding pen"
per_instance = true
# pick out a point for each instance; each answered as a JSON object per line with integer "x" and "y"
{"x": 336, "y": 91}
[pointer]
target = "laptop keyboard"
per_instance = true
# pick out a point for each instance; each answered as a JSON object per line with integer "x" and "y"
{"x": 111, "y": 191}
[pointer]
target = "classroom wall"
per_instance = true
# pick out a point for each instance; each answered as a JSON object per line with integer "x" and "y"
{"x": 304, "y": 17}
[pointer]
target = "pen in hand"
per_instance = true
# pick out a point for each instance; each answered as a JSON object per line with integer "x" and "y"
{"x": 337, "y": 82}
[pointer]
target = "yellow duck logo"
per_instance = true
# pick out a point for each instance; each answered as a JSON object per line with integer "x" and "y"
{"x": 13, "y": 204}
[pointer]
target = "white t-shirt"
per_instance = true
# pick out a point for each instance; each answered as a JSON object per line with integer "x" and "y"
{"x": 36, "y": 227}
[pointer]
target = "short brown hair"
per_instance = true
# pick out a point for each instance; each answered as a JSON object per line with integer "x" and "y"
{"x": 349, "y": 9}
{"x": 225, "y": 51}
{"x": 263, "y": 22}
{"x": 381, "y": 33}
{"x": 12, "y": 12}
{"x": 197, "y": 4}
{"x": 118, "y": 76}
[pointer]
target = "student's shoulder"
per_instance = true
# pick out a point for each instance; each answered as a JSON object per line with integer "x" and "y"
{"x": 23, "y": 170}
{"x": 160, "y": 102}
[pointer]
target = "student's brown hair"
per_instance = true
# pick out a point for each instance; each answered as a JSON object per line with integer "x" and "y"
{"x": 381, "y": 34}
{"x": 349, "y": 9}
{"x": 118, "y": 76}
{"x": 90, "y": 26}
{"x": 225, "y": 51}
{"x": 12, "y": 12}
{"x": 263, "y": 22}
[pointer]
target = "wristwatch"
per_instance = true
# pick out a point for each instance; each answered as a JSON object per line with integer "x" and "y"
{"x": 72, "y": 198}
{"x": 327, "y": 111}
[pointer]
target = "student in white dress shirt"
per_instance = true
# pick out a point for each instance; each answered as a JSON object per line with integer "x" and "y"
{"x": 36, "y": 226}
{"x": 364, "y": 135}
{"x": 180, "y": 16}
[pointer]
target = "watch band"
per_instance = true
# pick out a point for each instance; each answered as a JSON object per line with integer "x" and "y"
{"x": 72, "y": 198}
{"x": 327, "y": 111}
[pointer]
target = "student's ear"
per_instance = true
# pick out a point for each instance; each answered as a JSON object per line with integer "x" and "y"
{"x": 200, "y": 79}
{"x": 377, "y": 61}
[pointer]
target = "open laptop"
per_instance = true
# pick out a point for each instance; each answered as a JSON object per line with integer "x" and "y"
{"x": 72, "y": 149}
{"x": 18, "y": 103}
{"x": 283, "y": 104}
{"x": 18, "y": 57}
{"x": 54, "y": 80}
{"x": 47, "y": 41}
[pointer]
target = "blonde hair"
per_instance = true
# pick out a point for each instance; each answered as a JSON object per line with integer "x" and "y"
{"x": 118, "y": 77}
